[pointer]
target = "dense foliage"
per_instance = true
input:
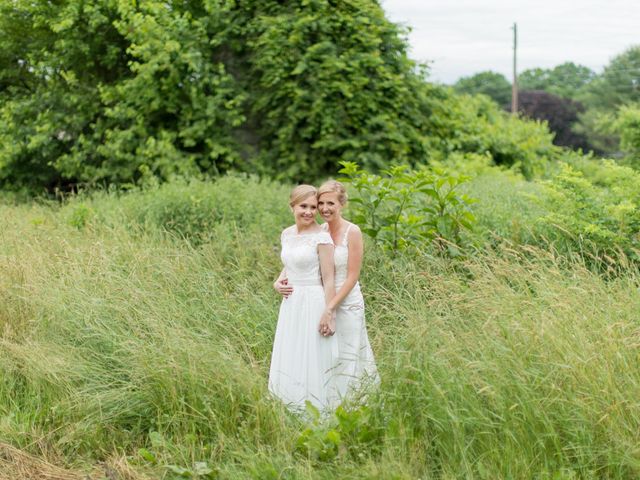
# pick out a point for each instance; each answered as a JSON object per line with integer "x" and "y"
{"x": 561, "y": 114}
{"x": 489, "y": 83}
{"x": 126, "y": 90}
{"x": 476, "y": 125}
{"x": 565, "y": 80}
{"x": 580, "y": 106}
{"x": 410, "y": 209}
{"x": 113, "y": 92}
{"x": 136, "y": 331}
{"x": 587, "y": 208}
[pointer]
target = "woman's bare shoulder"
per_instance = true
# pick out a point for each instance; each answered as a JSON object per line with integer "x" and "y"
{"x": 354, "y": 230}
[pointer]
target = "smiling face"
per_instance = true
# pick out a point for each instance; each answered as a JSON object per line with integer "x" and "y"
{"x": 329, "y": 206}
{"x": 304, "y": 212}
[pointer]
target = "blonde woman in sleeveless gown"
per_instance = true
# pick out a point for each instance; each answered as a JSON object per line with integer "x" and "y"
{"x": 356, "y": 368}
{"x": 305, "y": 351}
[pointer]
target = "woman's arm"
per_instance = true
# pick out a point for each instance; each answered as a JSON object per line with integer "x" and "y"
{"x": 354, "y": 264}
{"x": 281, "y": 285}
{"x": 327, "y": 271}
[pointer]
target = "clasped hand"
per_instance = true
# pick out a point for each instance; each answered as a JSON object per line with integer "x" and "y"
{"x": 327, "y": 325}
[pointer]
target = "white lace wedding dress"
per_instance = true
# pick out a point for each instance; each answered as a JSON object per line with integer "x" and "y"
{"x": 356, "y": 368}
{"x": 303, "y": 361}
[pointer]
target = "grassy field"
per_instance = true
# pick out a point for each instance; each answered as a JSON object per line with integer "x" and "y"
{"x": 137, "y": 329}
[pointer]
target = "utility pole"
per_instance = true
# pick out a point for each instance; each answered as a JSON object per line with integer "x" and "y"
{"x": 514, "y": 85}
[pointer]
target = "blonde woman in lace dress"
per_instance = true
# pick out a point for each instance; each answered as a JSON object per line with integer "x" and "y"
{"x": 305, "y": 352}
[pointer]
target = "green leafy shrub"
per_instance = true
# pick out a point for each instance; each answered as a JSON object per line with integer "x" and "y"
{"x": 586, "y": 207}
{"x": 475, "y": 124}
{"x": 598, "y": 215}
{"x": 410, "y": 208}
{"x": 193, "y": 209}
{"x": 627, "y": 125}
{"x": 347, "y": 432}
{"x": 80, "y": 215}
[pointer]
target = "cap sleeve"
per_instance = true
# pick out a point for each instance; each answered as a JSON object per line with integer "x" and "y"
{"x": 286, "y": 233}
{"x": 323, "y": 238}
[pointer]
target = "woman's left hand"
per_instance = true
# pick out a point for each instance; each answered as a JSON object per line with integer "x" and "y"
{"x": 327, "y": 325}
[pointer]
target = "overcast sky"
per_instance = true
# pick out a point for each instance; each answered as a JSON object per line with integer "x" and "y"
{"x": 463, "y": 37}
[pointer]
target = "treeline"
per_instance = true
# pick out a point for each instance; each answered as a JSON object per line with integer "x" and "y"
{"x": 113, "y": 92}
{"x": 593, "y": 112}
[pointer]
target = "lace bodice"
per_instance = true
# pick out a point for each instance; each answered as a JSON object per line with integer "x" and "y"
{"x": 300, "y": 256}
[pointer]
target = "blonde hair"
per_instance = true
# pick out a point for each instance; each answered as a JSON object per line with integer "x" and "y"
{"x": 333, "y": 186}
{"x": 300, "y": 193}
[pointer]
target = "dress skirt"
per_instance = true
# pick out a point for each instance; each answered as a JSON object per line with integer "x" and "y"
{"x": 303, "y": 362}
{"x": 356, "y": 370}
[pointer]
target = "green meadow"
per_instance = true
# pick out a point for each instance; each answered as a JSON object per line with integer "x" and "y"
{"x": 137, "y": 331}
{"x": 147, "y": 152}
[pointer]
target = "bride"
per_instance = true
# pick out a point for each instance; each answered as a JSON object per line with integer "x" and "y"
{"x": 304, "y": 349}
{"x": 356, "y": 368}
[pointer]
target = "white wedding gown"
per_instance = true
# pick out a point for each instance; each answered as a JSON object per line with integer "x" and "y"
{"x": 303, "y": 361}
{"x": 356, "y": 368}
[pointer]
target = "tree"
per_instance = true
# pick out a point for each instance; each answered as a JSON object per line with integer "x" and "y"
{"x": 559, "y": 113}
{"x": 492, "y": 84}
{"x": 619, "y": 83}
{"x": 331, "y": 81}
{"x": 565, "y": 80}
{"x": 627, "y": 125}
{"x": 111, "y": 91}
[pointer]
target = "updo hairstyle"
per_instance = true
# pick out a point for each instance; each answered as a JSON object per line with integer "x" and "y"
{"x": 333, "y": 186}
{"x": 301, "y": 193}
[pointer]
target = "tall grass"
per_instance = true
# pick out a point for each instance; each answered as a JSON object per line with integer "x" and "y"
{"x": 119, "y": 332}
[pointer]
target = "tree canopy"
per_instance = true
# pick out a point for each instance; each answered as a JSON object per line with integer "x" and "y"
{"x": 108, "y": 91}
{"x": 564, "y": 80}
{"x": 619, "y": 83}
{"x": 559, "y": 113}
{"x": 489, "y": 83}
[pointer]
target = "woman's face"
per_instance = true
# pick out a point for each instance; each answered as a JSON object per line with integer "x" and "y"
{"x": 305, "y": 211}
{"x": 329, "y": 206}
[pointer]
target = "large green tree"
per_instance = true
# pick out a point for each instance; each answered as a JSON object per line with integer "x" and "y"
{"x": 110, "y": 90}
